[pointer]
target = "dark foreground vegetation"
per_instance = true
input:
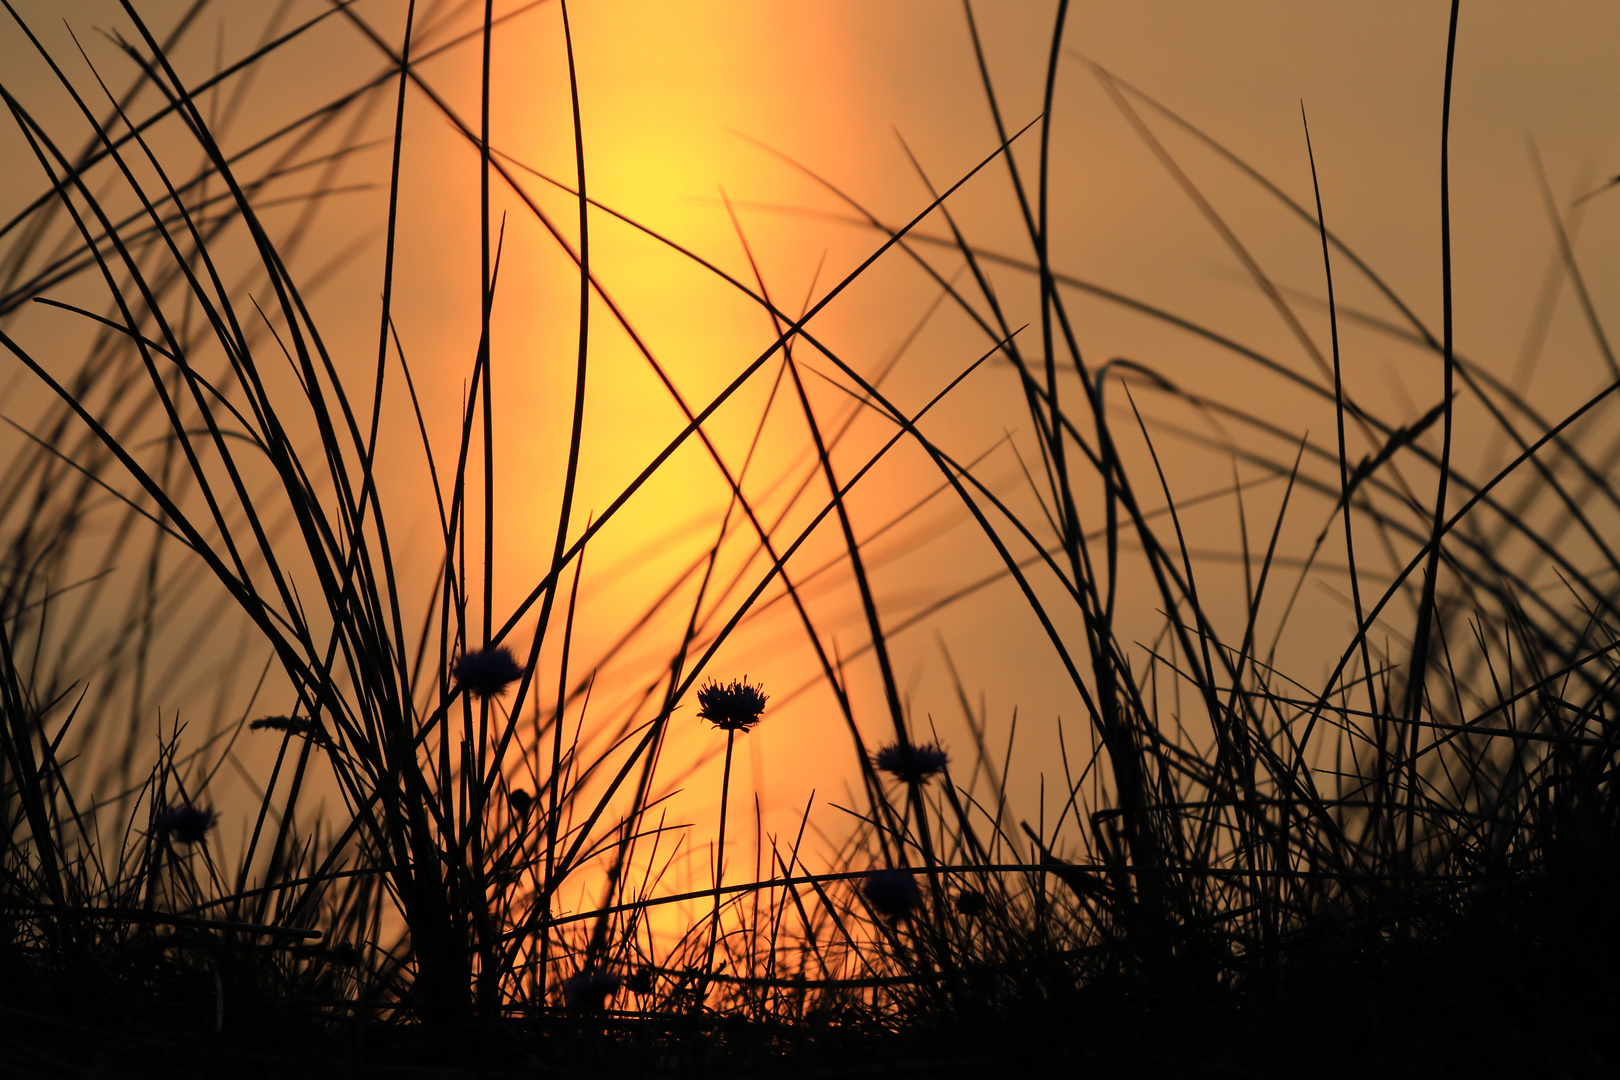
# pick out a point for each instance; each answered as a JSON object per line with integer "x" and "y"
{"x": 1517, "y": 986}
{"x": 1405, "y": 864}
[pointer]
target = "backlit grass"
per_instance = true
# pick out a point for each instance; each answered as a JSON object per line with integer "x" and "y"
{"x": 284, "y": 751}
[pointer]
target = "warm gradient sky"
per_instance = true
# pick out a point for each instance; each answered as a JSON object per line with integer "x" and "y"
{"x": 676, "y": 98}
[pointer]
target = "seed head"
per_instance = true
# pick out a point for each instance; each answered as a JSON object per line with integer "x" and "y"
{"x": 186, "y": 823}
{"x": 971, "y": 902}
{"x": 891, "y": 892}
{"x": 520, "y": 801}
{"x": 731, "y": 708}
{"x": 590, "y": 989}
{"x": 642, "y": 981}
{"x": 486, "y": 672}
{"x": 298, "y": 725}
{"x": 294, "y": 725}
{"x": 913, "y": 764}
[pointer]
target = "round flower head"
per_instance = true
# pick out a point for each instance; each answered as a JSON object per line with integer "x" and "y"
{"x": 913, "y": 764}
{"x": 971, "y": 902}
{"x": 731, "y": 708}
{"x": 590, "y": 989}
{"x": 642, "y": 981}
{"x": 520, "y": 801}
{"x": 891, "y": 892}
{"x": 186, "y": 823}
{"x": 486, "y": 672}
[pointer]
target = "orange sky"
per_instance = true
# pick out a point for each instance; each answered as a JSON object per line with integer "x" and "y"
{"x": 671, "y": 94}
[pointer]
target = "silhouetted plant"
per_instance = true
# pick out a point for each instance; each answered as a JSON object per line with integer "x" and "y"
{"x": 1226, "y": 823}
{"x": 186, "y": 823}
{"x": 893, "y": 893}
{"x": 731, "y": 707}
{"x": 913, "y": 764}
{"x": 487, "y": 673}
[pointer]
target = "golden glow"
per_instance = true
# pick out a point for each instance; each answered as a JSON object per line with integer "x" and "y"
{"x": 664, "y": 90}
{"x": 675, "y": 98}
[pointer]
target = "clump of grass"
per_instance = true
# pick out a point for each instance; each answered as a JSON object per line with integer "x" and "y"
{"x": 1229, "y": 835}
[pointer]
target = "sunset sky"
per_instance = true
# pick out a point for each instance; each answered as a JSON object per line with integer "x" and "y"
{"x": 678, "y": 104}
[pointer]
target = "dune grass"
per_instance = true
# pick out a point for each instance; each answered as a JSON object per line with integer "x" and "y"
{"x": 1238, "y": 848}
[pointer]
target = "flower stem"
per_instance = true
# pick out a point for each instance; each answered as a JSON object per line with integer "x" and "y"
{"x": 719, "y": 873}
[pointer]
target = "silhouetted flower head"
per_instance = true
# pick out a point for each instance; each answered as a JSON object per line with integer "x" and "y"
{"x": 298, "y": 725}
{"x": 731, "y": 708}
{"x": 186, "y": 823}
{"x": 486, "y": 672}
{"x": 913, "y": 764}
{"x": 294, "y": 725}
{"x": 891, "y": 892}
{"x": 345, "y": 953}
{"x": 971, "y": 902}
{"x": 590, "y": 989}
{"x": 641, "y": 982}
{"x": 520, "y": 801}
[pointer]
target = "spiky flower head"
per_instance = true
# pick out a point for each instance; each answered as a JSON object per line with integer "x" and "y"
{"x": 186, "y": 823}
{"x": 734, "y": 707}
{"x": 912, "y": 763}
{"x": 590, "y": 989}
{"x": 487, "y": 672}
{"x": 891, "y": 892}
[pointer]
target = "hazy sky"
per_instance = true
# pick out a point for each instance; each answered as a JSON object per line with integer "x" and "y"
{"x": 675, "y": 100}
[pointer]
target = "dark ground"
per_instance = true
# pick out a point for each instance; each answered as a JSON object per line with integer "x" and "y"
{"x": 1523, "y": 980}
